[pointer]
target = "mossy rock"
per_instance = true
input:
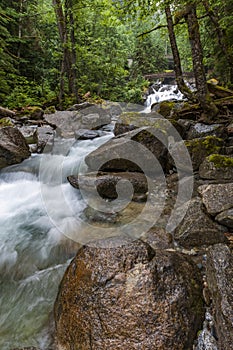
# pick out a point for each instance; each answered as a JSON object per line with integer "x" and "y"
{"x": 219, "y": 91}
{"x": 198, "y": 149}
{"x": 50, "y": 110}
{"x": 165, "y": 108}
{"x": 221, "y": 161}
{"x": 217, "y": 167}
{"x": 5, "y": 122}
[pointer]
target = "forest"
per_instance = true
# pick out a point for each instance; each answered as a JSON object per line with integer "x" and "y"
{"x": 60, "y": 52}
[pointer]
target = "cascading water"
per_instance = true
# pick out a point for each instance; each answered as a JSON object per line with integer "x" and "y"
{"x": 34, "y": 254}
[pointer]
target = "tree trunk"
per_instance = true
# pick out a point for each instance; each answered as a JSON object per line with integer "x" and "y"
{"x": 68, "y": 59}
{"x": 176, "y": 56}
{"x": 197, "y": 58}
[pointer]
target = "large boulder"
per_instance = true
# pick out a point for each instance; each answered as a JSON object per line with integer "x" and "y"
{"x": 67, "y": 122}
{"x": 128, "y": 296}
{"x": 105, "y": 183}
{"x": 197, "y": 229}
{"x": 217, "y": 197}
{"x": 129, "y": 121}
{"x": 217, "y": 167}
{"x": 219, "y": 273}
{"x": 13, "y": 147}
{"x": 139, "y": 150}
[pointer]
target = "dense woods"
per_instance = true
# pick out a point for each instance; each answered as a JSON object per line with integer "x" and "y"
{"x": 61, "y": 50}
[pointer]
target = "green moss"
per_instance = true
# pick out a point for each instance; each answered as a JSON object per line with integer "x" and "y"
{"x": 5, "y": 122}
{"x": 221, "y": 161}
{"x": 211, "y": 144}
{"x": 165, "y": 108}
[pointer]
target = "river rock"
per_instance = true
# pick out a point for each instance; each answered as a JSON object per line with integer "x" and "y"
{"x": 29, "y": 133}
{"x": 124, "y": 295}
{"x": 138, "y": 150}
{"x": 45, "y": 138}
{"x": 105, "y": 183}
{"x": 67, "y": 122}
{"x": 217, "y": 167}
{"x": 217, "y": 197}
{"x": 226, "y": 218}
{"x": 198, "y": 150}
{"x": 87, "y": 134}
{"x": 13, "y": 147}
{"x": 197, "y": 229}
{"x": 219, "y": 272}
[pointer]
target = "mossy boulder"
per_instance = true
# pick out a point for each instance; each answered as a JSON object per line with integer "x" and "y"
{"x": 132, "y": 120}
{"x": 5, "y": 122}
{"x": 217, "y": 167}
{"x": 219, "y": 91}
{"x": 198, "y": 149}
{"x": 165, "y": 108}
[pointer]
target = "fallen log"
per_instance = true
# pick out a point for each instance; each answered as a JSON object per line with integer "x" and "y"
{"x": 5, "y": 112}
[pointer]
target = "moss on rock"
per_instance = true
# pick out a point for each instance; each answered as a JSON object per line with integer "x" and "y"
{"x": 221, "y": 161}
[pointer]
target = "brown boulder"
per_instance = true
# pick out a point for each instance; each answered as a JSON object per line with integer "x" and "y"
{"x": 13, "y": 147}
{"x": 128, "y": 296}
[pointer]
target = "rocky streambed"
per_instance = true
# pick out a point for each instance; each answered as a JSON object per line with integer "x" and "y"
{"x": 154, "y": 265}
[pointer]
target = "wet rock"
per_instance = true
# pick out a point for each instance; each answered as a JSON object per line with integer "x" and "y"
{"x": 67, "y": 122}
{"x": 29, "y": 133}
{"x": 97, "y": 216}
{"x": 105, "y": 183}
{"x": 217, "y": 197}
{"x": 141, "y": 150}
{"x": 219, "y": 272}
{"x": 87, "y": 134}
{"x": 45, "y": 138}
{"x": 13, "y": 147}
{"x": 124, "y": 295}
{"x": 198, "y": 149}
{"x": 197, "y": 229}
{"x": 217, "y": 167}
{"x": 225, "y": 218}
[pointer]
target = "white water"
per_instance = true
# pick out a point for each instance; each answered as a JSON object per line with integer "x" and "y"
{"x": 34, "y": 254}
{"x": 164, "y": 93}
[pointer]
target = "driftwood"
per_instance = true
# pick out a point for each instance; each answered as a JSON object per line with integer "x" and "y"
{"x": 4, "y": 112}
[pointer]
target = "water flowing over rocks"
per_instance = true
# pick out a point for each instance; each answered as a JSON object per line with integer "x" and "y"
{"x": 128, "y": 297}
{"x": 13, "y": 147}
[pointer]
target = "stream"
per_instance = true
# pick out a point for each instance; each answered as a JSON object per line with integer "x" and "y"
{"x": 34, "y": 252}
